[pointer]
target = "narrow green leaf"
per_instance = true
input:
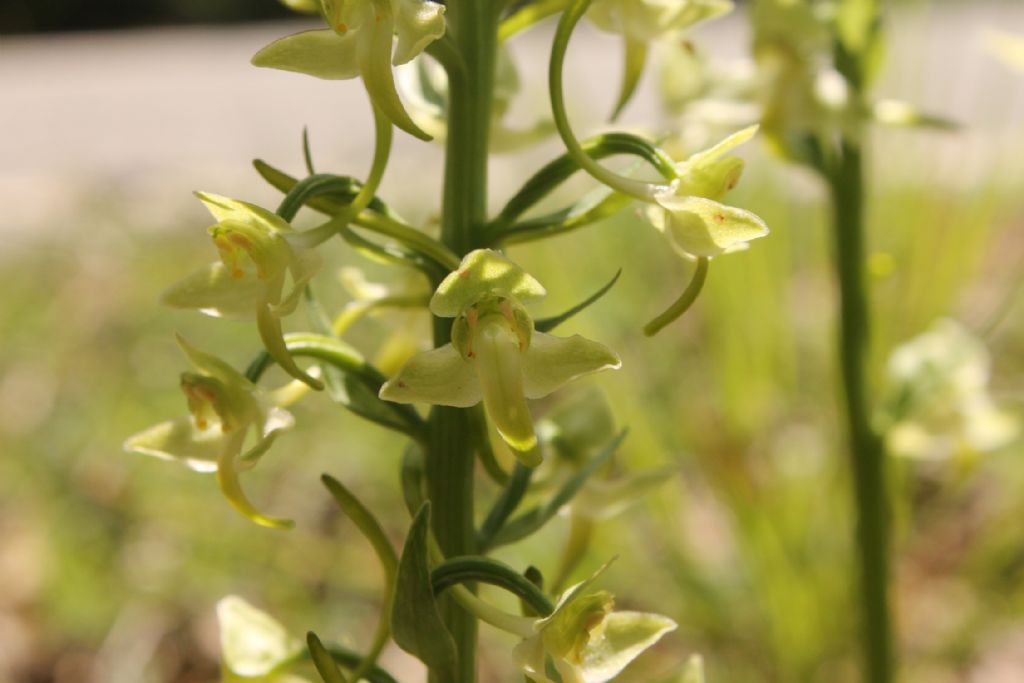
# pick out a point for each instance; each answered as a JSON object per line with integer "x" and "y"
{"x": 367, "y": 523}
{"x": 529, "y": 522}
{"x": 323, "y": 661}
{"x": 510, "y": 497}
{"x": 415, "y": 619}
{"x": 412, "y": 478}
{"x": 548, "y": 324}
{"x": 307, "y": 155}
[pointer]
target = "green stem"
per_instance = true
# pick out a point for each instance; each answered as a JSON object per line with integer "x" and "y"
{"x": 866, "y": 448}
{"x": 634, "y": 188}
{"x": 472, "y": 25}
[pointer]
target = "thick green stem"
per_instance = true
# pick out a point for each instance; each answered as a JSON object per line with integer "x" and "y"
{"x": 472, "y": 27}
{"x": 866, "y": 450}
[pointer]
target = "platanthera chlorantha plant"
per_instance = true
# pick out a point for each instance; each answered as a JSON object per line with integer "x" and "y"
{"x": 489, "y": 356}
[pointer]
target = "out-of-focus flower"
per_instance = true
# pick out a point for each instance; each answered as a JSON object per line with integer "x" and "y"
{"x": 647, "y": 20}
{"x": 495, "y": 355}
{"x": 360, "y": 42}
{"x": 938, "y": 400}
{"x": 254, "y": 646}
{"x": 227, "y": 412}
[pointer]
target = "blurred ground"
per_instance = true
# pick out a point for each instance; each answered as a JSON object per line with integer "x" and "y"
{"x": 110, "y": 564}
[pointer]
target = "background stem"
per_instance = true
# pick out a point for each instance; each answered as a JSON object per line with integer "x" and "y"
{"x": 866, "y": 449}
{"x": 472, "y": 27}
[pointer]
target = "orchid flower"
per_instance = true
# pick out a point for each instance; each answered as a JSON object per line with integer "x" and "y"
{"x": 227, "y": 411}
{"x": 642, "y": 22}
{"x": 647, "y": 20}
{"x": 360, "y": 43}
{"x": 495, "y": 355}
{"x": 689, "y": 213}
{"x": 249, "y": 280}
{"x": 586, "y": 640}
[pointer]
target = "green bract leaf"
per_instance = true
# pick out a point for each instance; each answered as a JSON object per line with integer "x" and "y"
{"x": 529, "y": 522}
{"x": 415, "y": 620}
{"x": 548, "y": 324}
{"x": 705, "y": 228}
{"x": 252, "y": 643}
{"x": 483, "y": 273}
{"x": 323, "y": 661}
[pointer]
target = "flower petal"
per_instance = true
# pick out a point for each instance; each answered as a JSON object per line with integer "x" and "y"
{"x": 552, "y": 362}
{"x": 440, "y": 376}
{"x": 213, "y": 290}
{"x": 711, "y": 173}
{"x": 228, "y": 209}
{"x": 623, "y": 637}
{"x": 180, "y": 440}
{"x": 417, "y": 23}
{"x": 321, "y": 53}
{"x": 702, "y": 227}
{"x": 483, "y": 273}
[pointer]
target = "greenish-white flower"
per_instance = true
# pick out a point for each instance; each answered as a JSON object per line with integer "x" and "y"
{"x": 689, "y": 213}
{"x": 425, "y": 89}
{"x": 939, "y": 403}
{"x": 256, "y": 260}
{"x": 586, "y": 640}
{"x": 646, "y": 20}
{"x": 495, "y": 356}
{"x": 231, "y": 425}
{"x": 360, "y": 42}
{"x": 253, "y": 645}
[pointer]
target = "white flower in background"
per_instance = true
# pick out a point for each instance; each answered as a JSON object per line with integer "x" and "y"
{"x": 938, "y": 399}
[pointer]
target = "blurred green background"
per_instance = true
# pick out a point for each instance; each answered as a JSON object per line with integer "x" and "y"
{"x": 110, "y": 564}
